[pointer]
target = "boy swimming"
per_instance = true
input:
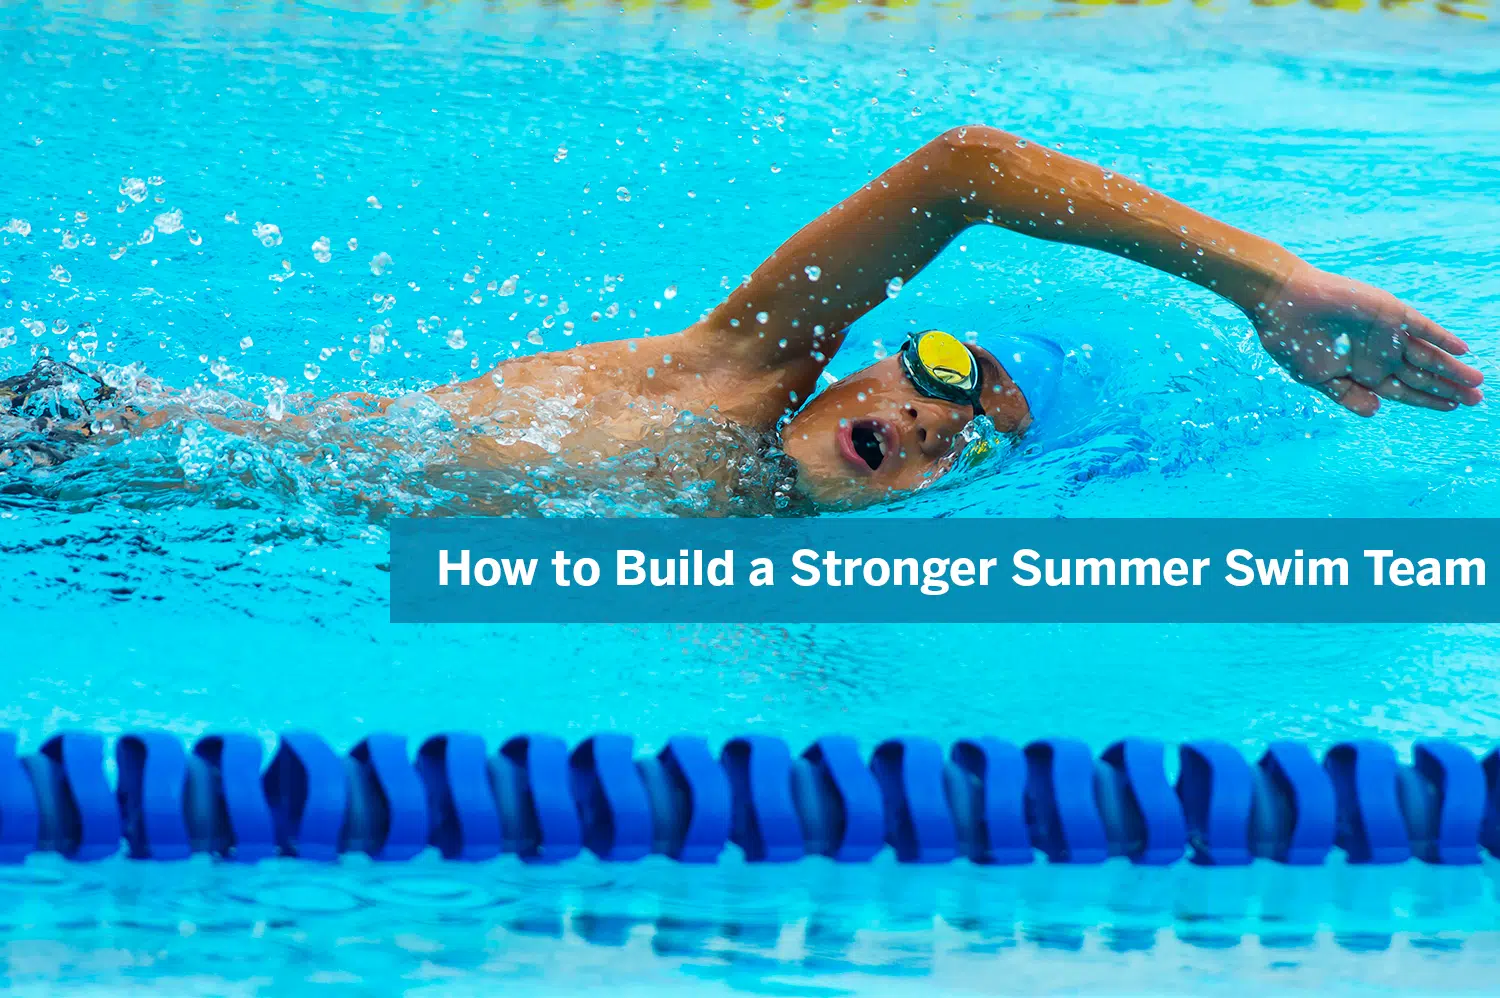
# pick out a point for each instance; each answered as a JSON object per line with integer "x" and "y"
{"x": 755, "y": 361}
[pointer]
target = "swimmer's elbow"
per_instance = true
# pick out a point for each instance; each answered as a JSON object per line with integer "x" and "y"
{"x": 968, "y": 138}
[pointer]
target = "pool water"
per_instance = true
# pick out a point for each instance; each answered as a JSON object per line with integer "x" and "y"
{"x": 252, "y": 202}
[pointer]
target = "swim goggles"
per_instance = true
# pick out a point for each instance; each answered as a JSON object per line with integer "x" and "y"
{"x": 941, "y": 367}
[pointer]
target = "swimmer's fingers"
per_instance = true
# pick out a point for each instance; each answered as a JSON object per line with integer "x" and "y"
{"x": 1420, "y": 326}
{"x": 1442, "y": 388}
{"x": 1354, "y": 397}
{"x": 1396, "y": 390}
{"x": 1427, "y": 357}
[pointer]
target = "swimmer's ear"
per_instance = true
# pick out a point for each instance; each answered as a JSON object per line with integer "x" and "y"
{"x": 1003, "y": 401}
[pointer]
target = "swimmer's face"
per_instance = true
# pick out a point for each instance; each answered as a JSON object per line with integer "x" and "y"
{"x": 873, "y": 433}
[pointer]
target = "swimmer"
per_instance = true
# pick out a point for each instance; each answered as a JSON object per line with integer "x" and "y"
{"x": 756, "y": 360}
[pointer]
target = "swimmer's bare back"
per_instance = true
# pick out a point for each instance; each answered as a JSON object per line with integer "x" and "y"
{"x": 762, "y": 350}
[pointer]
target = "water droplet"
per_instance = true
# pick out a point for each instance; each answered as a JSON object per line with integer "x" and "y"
{"x": 497, "y": 378}
{"x": 692, "y": 194}
{"x": 60, "y": 274}
{"x": 232, "y": 217}
{"x": 813, "y": 273}
{"x": 1342, "y": 345}
{"x": 146, "y": 236}
{"x": 373, "y": 202}
{"x": 893, "y": 286}
{"x": 670, "y": 293}
{"x": 509, "y": 287}
{"x": 379, "y": 262}
{"x": 322, "y": 250}
{"x": 456, "y": 339}
{"x": 246, "y": 343}
{"x": 377, "y": 338}
{"x": 69, "y": 241}
{"x": 268, "y": 234}
{"x": 622, "y": 193}
{"x": 118, "y": 251}
{"x": 169, "y": 222}
{"x": 134, "y": 188}
{"x": 560, "y": 155}
{"x": 775, "y": 167}
{"x": 534, "y": 337}
{"x": 310, "y": 371}
{"x": 1022, "y": 143}
{"x": 762, "y": 317}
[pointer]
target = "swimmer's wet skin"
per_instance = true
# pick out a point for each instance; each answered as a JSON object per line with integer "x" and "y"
{"x": 894, "y": 426}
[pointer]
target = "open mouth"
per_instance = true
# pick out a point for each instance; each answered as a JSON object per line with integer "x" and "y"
{"x": 865, "y": 443}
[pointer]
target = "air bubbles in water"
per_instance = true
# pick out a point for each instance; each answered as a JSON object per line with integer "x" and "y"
{"x": 670, "y": 293}
{"x": 268, "y": 234}
{"x": 60, "y": 274}
{"x": 622, "y": 193}
{"x": 379, "y": 263}
{"x": 232, "y": 217}
{"x": 310, "y": 371}
{"x": 762, "y": 317}
{"x": 893, "y": 286}
{"x": 353, "y": 245}
{"x": 322, "y": 250}
{"x": 7, "y": 336}
{"x": 534, "y": 337}
{"x": 813, "y": 273}
{"x": 560, "y": 155}
{"x": 193, "y": 237}
{"x": 69, "y": 241}
{"x": 1342, "y": 345}
{"x": 146, "y": 236}
{"x": 19, "y": 226}
{"x": 373, "y": 202}
{"x": 169, "y": 222}
{"x": 509, "y": 286}
{"x": 134, "y": 188}
{"x": 118, "y": 251}
{"x": 246, "y": 343}
{"x": 456, "y": 339}
{"x": 377, "y": 339}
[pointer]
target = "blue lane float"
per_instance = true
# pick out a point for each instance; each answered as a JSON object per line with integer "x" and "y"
{"x": 982, "y": 799}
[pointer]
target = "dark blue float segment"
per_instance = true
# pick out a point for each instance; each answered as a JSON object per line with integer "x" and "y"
{"x": 399, "y": 815}
{"x": 910, "y": 779}
{"x": 306, "y": 788}
{"x": 19, "y": 819}
{"x": 764, "y": 822}
{"x": 856, "y": 815}
{"x": 1155, "y": 830}
{"x": 550, "y": 829}
{"x": 152, "y": 768}
{"x": 703, "y": 786}
{"x": 1294, "y": 812}
{"x": 1370, "y": 826}
{"x": 1063, "y": 815}
{"x": 1453, "y": 778}
{"x": 990, "y": 809}
{"x": 1215, "y": 787}
{"x": 1489, "y": 827}
{"x": 247, "y": 832}
{"x": 87, "y": 820}
{"x": 613, "y": 806}
{"x": 463, "y": 821}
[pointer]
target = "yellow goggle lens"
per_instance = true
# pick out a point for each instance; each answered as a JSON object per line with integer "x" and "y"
{"x": 946, "y": 359}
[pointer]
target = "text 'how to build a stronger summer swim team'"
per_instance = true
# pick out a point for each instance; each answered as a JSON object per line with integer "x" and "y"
{"x": 862, "y": 570}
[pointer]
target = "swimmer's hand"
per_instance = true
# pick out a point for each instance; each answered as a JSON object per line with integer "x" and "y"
{"x": 1358, "y": 344}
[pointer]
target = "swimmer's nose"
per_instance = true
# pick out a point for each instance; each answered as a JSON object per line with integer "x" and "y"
{"x": 931, "y": 436}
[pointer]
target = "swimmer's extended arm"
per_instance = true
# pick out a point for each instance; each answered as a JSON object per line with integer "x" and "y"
{"x": 1354, "y": 342}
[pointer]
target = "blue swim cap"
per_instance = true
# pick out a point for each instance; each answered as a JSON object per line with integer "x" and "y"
{"x": 1034, "y": 364}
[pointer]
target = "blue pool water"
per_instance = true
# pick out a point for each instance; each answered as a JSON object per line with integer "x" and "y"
{"x": 235, "y": 197}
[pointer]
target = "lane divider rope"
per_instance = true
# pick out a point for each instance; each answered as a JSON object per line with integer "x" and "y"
{"x": 981, "y": 799}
